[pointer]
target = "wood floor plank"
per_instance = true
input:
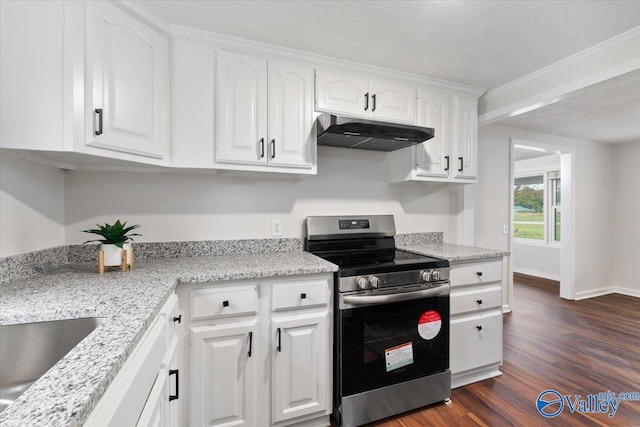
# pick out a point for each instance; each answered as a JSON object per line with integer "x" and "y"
{"x": 575, "y": 347}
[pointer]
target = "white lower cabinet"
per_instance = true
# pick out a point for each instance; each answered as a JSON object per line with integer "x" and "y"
{"x": 259, "y": 352}
{"x": 476, "y": 321}
{"x": 223, "y": 375}
{"x": 299, "y": 367}
{"x": 141, "y": 394}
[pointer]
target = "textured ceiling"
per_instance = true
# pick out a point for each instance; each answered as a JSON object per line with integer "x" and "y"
{"x": 480, "y": 43}
{"x": 605, "y": 112}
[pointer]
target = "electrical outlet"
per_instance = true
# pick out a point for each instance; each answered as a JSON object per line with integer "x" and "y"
{"x": 505, "y": 229}
{"x": 276, "y": 227}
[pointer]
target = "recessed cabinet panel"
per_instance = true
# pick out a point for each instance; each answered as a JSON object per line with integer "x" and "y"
{"x": 392, "y": 102}
{"x": 299, "y": 376}
{"x": 222, "y": 375}
{"x": 433, "y": 157}
{"x": 223, "y": 301}
{"x": 467, "y": 138}
{"x": 291, "y": 137}
{"x": 154, "y": 413}
{"x": 342, "y": 94}
{"x": 476, "y": 341}
{"x": 242, "y": 108}
{"x": 129, "y": 83}
{"x": 476, "y": 273}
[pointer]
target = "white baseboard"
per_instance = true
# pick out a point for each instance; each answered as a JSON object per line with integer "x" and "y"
{"x": 535, "y": 273}
{"x": 594, "y": 293}
{"x": 627, "y": 291}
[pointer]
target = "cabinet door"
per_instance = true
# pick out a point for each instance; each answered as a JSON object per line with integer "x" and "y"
{"x": 433, "y": 157}
{"x": 292, "y": 139}
{"x": 466, "y": 138}
{"x": 390, "y": 101}
{"x": 222, "y": 378}
{"x": 172, "y": 363}
{"x": 342, "y": 94}
{"x": 128, "y": 82}
{"x": 476, "y": 341}
{"x": 154, "y": 412}
{"x": 242, "y": 109}
{"x": 299, "y": 370}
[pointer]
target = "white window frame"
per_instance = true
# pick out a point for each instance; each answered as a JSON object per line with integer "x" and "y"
{"x": 547, "y": 240}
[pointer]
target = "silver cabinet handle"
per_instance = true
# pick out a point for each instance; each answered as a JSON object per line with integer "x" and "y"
{"x": 261, "y": 147}
{"x": 404, "y": 296}
{"x": 273, "y": 148}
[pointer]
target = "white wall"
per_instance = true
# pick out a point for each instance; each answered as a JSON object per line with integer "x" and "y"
{"x": 31, "y": 206}
{"x": 201, "y": 207}
{"x": 593, "y": 198}
{"x": 626, "y": 231}
{"x": 541, "y": 260}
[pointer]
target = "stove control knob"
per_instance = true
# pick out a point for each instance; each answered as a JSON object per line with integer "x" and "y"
{"x": 374, "y": 281}
{"x": 362, "y": 282}
{"x": 436, "y": 275}
{"x": 425, "y": 276}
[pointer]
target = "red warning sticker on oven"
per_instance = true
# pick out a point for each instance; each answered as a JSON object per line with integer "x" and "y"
{"x": 429, "y": 324}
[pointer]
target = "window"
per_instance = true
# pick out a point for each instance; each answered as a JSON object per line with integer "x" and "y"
{"x": 536, "y": 207}
{"x": 528, "y": 207}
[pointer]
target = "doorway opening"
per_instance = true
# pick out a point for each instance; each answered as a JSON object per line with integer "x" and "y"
{"x": 541, "y": 214}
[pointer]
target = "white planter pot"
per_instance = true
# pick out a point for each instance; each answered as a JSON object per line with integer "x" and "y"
{"x": 113, "y": 254}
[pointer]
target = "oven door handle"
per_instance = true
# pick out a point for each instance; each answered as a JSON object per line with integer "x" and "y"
{"x": 439, "y": 290}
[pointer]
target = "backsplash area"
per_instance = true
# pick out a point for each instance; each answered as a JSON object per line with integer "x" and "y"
{"x": 27, "y": 264}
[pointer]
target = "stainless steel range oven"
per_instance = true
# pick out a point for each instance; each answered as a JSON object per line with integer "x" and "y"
{"x": 392, "y": 319}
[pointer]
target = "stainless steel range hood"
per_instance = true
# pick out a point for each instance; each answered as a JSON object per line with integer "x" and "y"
{"x": 348, "y": 132}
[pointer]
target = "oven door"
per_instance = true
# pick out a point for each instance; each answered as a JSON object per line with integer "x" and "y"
{"x": 386, "y": 344}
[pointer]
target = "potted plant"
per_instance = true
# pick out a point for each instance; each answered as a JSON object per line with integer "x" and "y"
{"x": 115, "y": 238}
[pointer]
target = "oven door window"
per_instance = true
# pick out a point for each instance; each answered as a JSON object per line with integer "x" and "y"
{"x": 382, "y": 344}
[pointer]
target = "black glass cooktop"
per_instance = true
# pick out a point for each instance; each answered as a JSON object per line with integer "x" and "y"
{"x": 386, "y": 261}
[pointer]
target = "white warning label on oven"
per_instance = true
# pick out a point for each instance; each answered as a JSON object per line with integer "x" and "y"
{"x": 429, "y": 324}
{"x": 398, "y": 356}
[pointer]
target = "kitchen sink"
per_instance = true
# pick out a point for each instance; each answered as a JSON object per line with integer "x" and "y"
{"x": 29, "y": 350}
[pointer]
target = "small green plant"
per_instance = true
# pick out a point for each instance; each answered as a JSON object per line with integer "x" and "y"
{"x": 116, "y": 234}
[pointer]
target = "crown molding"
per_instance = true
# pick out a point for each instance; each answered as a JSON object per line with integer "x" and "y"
{"x": 258, "y": 48}
{"x": 556, "y": 82}
{"x": 142, "y": 12}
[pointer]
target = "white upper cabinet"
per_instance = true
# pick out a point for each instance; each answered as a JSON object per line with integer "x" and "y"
{"x": 242, "y": 108}
{"x": 128, "y": 83}
{"x": 466, "y": 142}
{"x": 291, "y": 128}
{"x": 265, "y": 113}
{"x": 433, "y": 157}
{"x": 61, "y": 61}
{"x": 357, "y": 96}
{"x": 342, "y": 94}
{"x": 392, "y": 101}
{"x": 451, "y": 155}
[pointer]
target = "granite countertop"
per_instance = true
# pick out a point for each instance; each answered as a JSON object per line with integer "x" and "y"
{"x": 129, "y": 301}
{"x": 454, "y": 253}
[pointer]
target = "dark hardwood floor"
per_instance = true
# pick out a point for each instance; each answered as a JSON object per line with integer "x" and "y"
{"x": 575, "y": 347}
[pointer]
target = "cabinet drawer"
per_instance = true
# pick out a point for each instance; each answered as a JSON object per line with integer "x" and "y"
{"x": 476, "y": 341}
{"x": 476, "y": 273}
{"x": 476, "y": 299}
{"x": 288, "y": 295}
{"x": 222, "y": 302}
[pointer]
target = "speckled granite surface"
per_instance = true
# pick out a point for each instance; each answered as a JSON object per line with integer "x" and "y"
{"x": 197, "y": 248}
{"x": 24, "y": 265}
{"x": 66, "y": 394}
{"x": 453, "y": 253}
{"x": 406, "y": 239}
